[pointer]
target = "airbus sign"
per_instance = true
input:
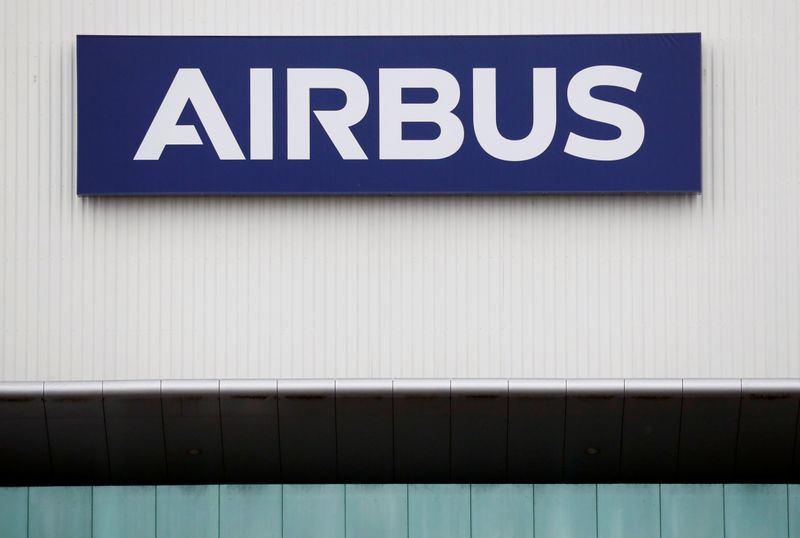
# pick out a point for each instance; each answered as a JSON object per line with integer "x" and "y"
{"x": 520, "y": 114}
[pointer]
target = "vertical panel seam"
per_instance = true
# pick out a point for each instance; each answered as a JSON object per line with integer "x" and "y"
{"x": 678, "y": 473}
{"x": 408, "y": 512}
{"x": 470, "y": 511}
{"x": 47, "y": 435}
{"x": 660, "y": 518}
{"x": 221, "y": 435}
{"x": 533, "y": 510}
{"x": 738, "y": 433}
{"x": 163, "y": 429}
{"x": 724, "y": 514}
{"x": 788, "y": 514}
{"x": 105, "y": 431}
{"x": 596, "y": 512}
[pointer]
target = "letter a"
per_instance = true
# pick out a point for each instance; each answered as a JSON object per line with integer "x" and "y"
{"x": 188, "y": 85}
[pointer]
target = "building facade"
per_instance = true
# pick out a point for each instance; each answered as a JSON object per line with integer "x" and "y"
{"x": 354, "y": 366}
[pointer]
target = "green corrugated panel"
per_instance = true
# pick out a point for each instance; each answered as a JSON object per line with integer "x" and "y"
{"x": 794, "y": 511}
{"x": 438, "y": 511}
{"x": 124, "y": 512}
{"x": 565, "y": 510}
{"x": 502, "y": 511}
{"x": 399, "y": 511}
{"x": 756, "y": 511}
{"x": 250, "y": 511}
{"x": 14, "y": 512}
{"x": 628, "y": 511}
{"x": 187, "y": 511}
{"x": 60, "y": 512}
{"x": 692, "y": 511}
{"x": 377, "y": 511}
{"x": 315, "y": 511}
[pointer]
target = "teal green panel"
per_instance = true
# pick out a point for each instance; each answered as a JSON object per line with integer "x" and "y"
{"x": 794, "y": 511}
{"x": 314, "y": 511}
{"x": 250, "y": 511}
{"x": 756, "y": 510}
{"x": 60, "y": 512}
{"x": 692, "y": 511}
{"x": 124, "y": 512}
{"x": 628, "y": 511}
{"x": 187, "y": 511}
{"x": 565, "y": 510}
{"x": 502, "y": 511}
{"x": 14, "y": 512}
{"x": 376, "y": 511}
{"x": 438, "y": 511}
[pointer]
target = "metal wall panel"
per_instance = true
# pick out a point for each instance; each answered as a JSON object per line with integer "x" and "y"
{"x": 135, "y": 431}
{"x": 439, "y": 511}
{"x": 756, "y": 510}
{"x": 364, "y": 430}
{"x": 651, "y": 429}
{"x": 536, "y": 416}
{"x": 794, "y": 510}
{"x": 796, "y": 473}
{"x": 502, "y": 510}
{"x": 593, "y": 429}
{"x": 307, "y": 419}
{"x": 65, "y": 512}
{"x": 478, "y": 430}
{"x": 313, "y": 510}
{"x": 124, "y": 512}
{"x": 565, "y": 510}
{"x": 373, "y": 510}
{"x": 422, "y": 430}
{"x": 628, "y": 511}
{"x": 24, "y": 446}
{"x": 14, "y": 512}
{"x": 247, "y": 511}
{"x": 192, "y": 434}
{"x": 405, "y": 510}
{"x": 692, "y": 510}
{"x": 77, "y": 432}
{"x": 709, "y": 428}
{"x": 250, "y": 439}
{"x": 187, "y": 511}
{"x": 767, "y": 429}
{"x": 548, "y": 286}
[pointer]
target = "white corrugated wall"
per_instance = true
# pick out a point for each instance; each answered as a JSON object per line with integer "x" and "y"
{"x": 578, "y": 286}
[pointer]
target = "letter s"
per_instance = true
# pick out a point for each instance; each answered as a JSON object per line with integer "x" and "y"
{"x": 629, "y": 122}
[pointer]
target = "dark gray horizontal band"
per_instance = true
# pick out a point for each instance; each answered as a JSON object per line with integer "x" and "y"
{"x": 382, "y": 431}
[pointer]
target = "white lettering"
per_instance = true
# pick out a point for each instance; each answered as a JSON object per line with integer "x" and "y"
{"x": 336, "y": 123}
{"x": 484, "y": 116}
{"x": 261, "y": 114}
{"x": 393, "y": 113}
{"x": 188, "y": 85}
{"x": 629, "y": 122}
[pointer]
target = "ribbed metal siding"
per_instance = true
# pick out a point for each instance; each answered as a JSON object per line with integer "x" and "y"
{"x": 566, "y": 286}
{"x": 404, "y": 511}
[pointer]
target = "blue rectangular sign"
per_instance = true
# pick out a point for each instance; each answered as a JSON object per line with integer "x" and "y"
{"x": 388, "y": 115}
